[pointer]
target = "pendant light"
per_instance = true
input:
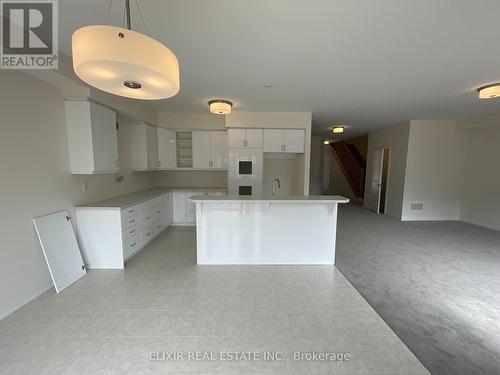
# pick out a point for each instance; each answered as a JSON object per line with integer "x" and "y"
{"x": 124, "y": 62}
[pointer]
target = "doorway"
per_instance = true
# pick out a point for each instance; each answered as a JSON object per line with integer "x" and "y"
{"x": 379, "y": 180}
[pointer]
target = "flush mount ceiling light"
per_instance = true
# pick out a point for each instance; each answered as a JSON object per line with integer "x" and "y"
{"x": 124, "y": 62}
{"x": 220, "y": 106}
{"x": 338, "y": 129}
{"x": 327, "y": 142}
{"x": 489, "y": 91}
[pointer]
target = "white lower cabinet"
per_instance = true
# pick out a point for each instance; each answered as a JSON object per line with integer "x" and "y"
{"x": 109, "y": 236}
{"x": 184, "y": 209}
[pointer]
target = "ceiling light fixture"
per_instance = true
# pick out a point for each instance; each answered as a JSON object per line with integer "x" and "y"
{"x": 489, "y": 91}
{"x": 124, "y": 62}
{"x": 327, "y": 142}
{"x": 338, "y": 129}
{"x": 220, "y": 106}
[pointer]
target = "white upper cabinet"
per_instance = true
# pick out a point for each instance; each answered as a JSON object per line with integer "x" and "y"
{"x": 201, "y": 149}
{"x": 218, "y": 141}
{"x": 244, "y": 138}
{"x": 210, "y": 149}
{"x": 144, "y": 147}
{"x": 166, "y": 148}
{"x": 284, "y": 140}
{"x": 92, "y": 137}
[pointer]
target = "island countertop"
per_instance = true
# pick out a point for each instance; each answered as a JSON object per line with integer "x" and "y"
{"x": 276, "y": 199}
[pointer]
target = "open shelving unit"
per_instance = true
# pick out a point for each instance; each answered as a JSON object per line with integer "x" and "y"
{"x": 184, "y": 149}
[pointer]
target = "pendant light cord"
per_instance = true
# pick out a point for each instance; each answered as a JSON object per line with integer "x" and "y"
{"x": 142, "y": 18}
{"x": 107, "y": 13}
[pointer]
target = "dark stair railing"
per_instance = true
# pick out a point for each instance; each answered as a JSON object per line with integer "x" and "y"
{"x": 352, "y": 164}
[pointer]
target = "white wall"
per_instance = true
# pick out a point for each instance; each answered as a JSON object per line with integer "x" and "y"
{"x": 396, "y": 139}
{"x": 280, "y": 120}
{"x": 434, "y": 170}
{"x": 315, "y": 169}
{"x": 36, "y": 180}
{"x": 481, "y": 192}
{"x": 181, "y": 120}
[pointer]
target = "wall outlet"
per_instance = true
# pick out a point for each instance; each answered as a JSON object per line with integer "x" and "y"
{"x": 417, "y": 207}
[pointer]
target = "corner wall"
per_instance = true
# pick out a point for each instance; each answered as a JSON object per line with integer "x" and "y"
{"x": 34, "y": 165}
{"x": 480, "y": 201}
{"x": 434, "y": 170}
{"x": 396, "y": 139}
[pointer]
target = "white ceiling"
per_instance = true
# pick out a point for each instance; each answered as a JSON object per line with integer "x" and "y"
{"x": 364, "y": 63}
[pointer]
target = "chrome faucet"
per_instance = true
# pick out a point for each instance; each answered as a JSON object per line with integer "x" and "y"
{"x": 276, "y": 180}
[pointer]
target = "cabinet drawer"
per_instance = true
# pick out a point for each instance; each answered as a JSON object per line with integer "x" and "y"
{"x": 131, "y": 211}
{"x": 131, "y": 246}
{"x": 147, "y": 218}
{"x": 130, "y": 231}
{"x": 130, "y": 221}
{"x": 147, "y": 234}
{"x": 158, "y": 227}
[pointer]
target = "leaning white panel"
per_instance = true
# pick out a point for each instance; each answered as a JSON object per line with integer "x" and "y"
{"x": 60, "y": 249}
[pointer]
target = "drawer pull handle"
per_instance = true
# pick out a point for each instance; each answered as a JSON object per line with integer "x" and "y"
{"x": 158, "y": 212}
{"x": 149, "y": 217}
{"x": 132, "y": 231}
{"x": 135, "y": 243}
{"x": 131, "y": 211}
{"x": 131, "y": 221}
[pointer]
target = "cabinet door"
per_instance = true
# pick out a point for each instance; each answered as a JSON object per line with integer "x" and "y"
{"x": 168, "y": 209}
{"x": 201, "y": 149}
{"x": 236, "y": 138}
{"x": 218, "y": 149}
{"x": 294, "y": 140}
{"x": 273, "y": 140}
{"x": 179, "y": 206}
{"x": 191, "y": 207}
{"x": 104, "y": 138}
{"x": 166, "y": 148}
{"x": 253, "y": 138}
{"x": 152, "y": 147}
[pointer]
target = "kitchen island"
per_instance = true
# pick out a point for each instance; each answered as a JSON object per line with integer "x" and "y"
{"x": 283, "y": 230}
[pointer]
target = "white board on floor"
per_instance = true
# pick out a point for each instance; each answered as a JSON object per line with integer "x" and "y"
{"x": 60, "y": 249}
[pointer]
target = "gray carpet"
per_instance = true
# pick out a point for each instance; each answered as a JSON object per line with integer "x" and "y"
{"x": 437, "y": 285}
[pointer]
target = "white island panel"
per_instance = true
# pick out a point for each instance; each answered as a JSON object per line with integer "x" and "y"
{"x": 256, "y": 231}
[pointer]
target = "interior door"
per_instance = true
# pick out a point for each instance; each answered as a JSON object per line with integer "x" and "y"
{"x": 166, "y": 148}
{"x": 376, "y": 180}
{"x": 218, "y": 142}
{"x": 273, "y": 140}
{"x": 60, "y": 249}
{"x": 294, "y": 140}
{"x": 201, "y": 149}
{"x": 253, "y": 138}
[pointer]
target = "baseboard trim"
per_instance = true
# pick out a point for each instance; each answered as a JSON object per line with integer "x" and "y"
{"x": 480, "y": 224}
{"x": 430, "y": 218}
{"x": 20, "y": 306}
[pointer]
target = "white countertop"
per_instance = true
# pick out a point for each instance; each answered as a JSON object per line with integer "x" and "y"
{"x": 276, "y": 199}
{"x": 127, "y": 200}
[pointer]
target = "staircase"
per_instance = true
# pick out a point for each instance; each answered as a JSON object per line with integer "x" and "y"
{"x": 352, "y": 164}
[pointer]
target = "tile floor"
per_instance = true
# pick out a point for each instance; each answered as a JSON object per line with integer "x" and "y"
{"x": 110, "y": 322}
